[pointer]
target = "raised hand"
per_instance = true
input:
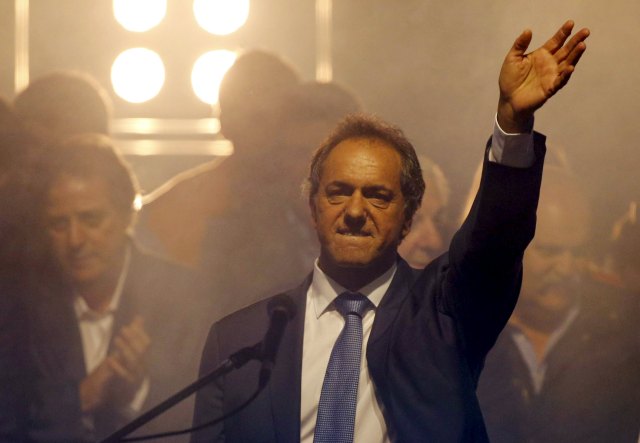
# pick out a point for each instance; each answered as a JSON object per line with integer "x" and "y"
{"x": 527, "y": 81}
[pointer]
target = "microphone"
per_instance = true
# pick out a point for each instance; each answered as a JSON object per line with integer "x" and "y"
{"x": 281, "y": 309}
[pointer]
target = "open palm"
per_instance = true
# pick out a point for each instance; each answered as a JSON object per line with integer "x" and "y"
{"x": 527, "y": 81}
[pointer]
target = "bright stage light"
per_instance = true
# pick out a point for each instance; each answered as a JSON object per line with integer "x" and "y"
{"x": 139, "y": 15}
{"x": 208, "y": 71}
{"x": 137, "y": 75}
{"x": 221, "y": 17}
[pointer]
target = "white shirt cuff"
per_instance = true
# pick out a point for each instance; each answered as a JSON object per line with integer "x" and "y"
{"x": 140, "y": 397}
{"x": 515, "y": 150}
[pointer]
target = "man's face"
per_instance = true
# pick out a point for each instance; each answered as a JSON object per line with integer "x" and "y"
{"x": 87, "y": 234}
{"x": 424, "y": 242}
{"x": 359, "y": 207}
{"x": 551, "y": 263}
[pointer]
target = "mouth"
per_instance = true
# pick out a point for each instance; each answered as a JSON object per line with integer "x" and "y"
{"x": 80, "y": 259}
{"x": 350, "y": 233}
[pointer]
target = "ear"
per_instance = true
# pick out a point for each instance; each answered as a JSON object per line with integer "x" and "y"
{"x": 312, "y": 208}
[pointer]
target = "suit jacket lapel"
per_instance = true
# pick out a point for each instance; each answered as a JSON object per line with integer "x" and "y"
{"x": 392, "y": 300}
{"x": 284, "y": 388}
{"x": 128, "y": 305}
{"x": 58, "y": 344}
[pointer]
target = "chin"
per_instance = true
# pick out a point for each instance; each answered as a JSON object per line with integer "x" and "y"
{"x": 82, "y": 282}
{"x": 418, "y": 264}
{"x": 353, "y": 263}
{"x": 84, "y": 278}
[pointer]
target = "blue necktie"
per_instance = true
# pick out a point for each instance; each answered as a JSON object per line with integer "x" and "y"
{"x": 337, "y": 407}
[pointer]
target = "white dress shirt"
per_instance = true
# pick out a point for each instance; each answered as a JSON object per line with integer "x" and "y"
{"x": 322, "y": 326}
{"x": 538, "y": 368}
{"x": 322, "y": 323}
{"x": 96, "y": 330}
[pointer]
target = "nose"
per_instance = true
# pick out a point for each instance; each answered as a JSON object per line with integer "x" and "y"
{"x": 75, "y": 234}
{"x": 565, "y": 262}
{"x": 355, "y": 214}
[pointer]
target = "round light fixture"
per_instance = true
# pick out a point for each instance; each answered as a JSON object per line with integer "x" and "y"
{"x": 137, "y": 75}
{"x": 139, "y": 15}
{"x": 221, "y": 17}
{"x": 208, "y": 72}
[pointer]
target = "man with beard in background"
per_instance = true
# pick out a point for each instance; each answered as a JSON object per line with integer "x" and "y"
{"x": 566, "y": 366}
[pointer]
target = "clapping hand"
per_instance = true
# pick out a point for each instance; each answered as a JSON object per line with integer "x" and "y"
{"x": 128, "y": 359}
{"x": 121, "y": 373}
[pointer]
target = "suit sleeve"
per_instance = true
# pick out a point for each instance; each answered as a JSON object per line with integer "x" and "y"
{"x": 13, "y": 406}
{"x": 34, "y": 406}
{"x": 482, "y": 284}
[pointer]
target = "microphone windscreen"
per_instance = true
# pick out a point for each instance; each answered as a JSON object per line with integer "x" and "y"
{"x": 282, "y": 303}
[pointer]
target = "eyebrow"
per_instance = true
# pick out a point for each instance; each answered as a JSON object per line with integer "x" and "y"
{"x": 378, "y": 188}
{"x": 342, "y": 184}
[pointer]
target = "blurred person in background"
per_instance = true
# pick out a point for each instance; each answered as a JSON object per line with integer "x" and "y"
{"x": 50, "y": 109}
{"x": 64, "y": 103}
{"x": 625, "y": 249}
{"x": 21, "y": 153}
{"x": 20, "y": 252}
{"x": 566, "y": 366}
{"x": 116, "y": 330}
{"x": 426, "y": 240}
{"x": 178, "y": 215}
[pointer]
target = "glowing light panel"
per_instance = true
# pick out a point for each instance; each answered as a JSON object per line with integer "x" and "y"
{"x": 137, "y": 75}
{"x": 221, "y": 17}
{"x": 139, "y": 15}
{"x": 208, "y": 71}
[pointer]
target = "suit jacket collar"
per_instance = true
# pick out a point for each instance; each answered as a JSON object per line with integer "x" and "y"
{"x": 128, "y": 305}
{"x": 56, "y": 341}
{"x": 131, "y": 302}
{"x": 284, "y": 388}
{"x": 392, "y": 300}
{"x": 324, "y": 289}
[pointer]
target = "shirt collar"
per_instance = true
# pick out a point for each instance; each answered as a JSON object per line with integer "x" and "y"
{"x": 519, "y": 337}
{"x": 84, "y": 312}
{"x": 324, "y": 289}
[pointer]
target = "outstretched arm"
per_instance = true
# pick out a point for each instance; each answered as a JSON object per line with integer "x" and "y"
{"x": 527, "y": 81}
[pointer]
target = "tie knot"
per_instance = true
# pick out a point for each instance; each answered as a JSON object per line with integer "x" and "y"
{"x": 352, "y": 303}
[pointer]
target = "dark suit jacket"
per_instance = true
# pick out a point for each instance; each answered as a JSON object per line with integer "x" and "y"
{"x": 175, "y": 312}
{"x": 13, "y": 361}
{"x": 590, "y": 392}
{"x": 429, "y": 338}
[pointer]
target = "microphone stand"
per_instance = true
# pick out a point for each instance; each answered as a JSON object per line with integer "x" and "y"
{"x": 235, "y": 361}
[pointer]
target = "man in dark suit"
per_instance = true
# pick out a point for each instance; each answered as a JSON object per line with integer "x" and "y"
{"x": 426, "y": 332}
{"x": 113, "y": 330}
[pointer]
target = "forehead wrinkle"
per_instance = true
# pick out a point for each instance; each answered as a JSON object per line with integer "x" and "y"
{"x": 360, "y": 167}
{"x": 71, "y": 195}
